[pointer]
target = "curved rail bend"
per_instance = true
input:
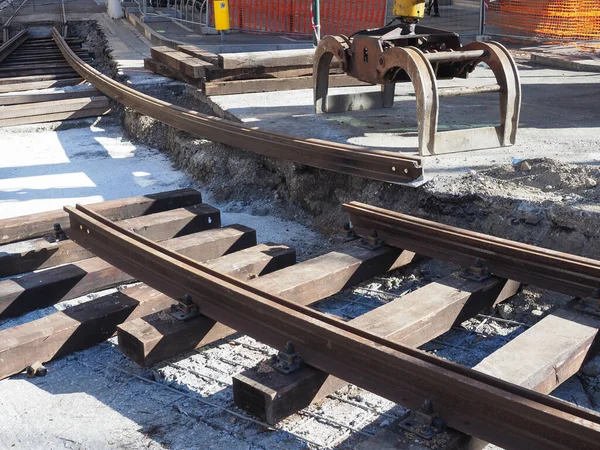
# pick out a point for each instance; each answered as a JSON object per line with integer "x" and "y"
{"x": 351, "y": 160}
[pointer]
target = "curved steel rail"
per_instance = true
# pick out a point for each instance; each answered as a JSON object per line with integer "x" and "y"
{"x": 375, "y": 164}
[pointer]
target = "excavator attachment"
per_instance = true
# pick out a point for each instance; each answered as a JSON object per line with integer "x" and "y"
{"x": 422, "y": 56}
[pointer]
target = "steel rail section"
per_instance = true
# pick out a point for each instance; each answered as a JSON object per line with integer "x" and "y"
{"x": 375, "y": 164}
{"x": 12, "y": 44}
{"x": 6, "y": 25}
{"x": 549, "y": 269}
{"x": 499, "y": 412}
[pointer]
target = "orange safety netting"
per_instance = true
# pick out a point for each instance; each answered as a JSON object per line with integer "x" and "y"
{"x": 294, "y": 16}
{"x": 562, "y": 20}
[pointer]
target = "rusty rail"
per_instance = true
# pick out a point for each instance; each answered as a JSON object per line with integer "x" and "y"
{"x": 12, "y": 44}
{"x": 549, "y": 269}
{"x": 5, "y": 27}
{"x": 376, "y": 164}
{"x": 475, "y": 403}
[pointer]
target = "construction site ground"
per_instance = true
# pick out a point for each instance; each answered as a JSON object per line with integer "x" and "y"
{"x": 99, "y": 399}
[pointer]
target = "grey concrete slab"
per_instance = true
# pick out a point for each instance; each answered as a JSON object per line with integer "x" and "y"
{"x": 560, "y": 119}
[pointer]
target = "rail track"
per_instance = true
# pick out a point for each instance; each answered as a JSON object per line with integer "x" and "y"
{"x": 38, "y": 85}
{"x": 216, "y": 280}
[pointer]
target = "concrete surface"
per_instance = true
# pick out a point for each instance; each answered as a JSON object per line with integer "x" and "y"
{"x": 560, "y": 119}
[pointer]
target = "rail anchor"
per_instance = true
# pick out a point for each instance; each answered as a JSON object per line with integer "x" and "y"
{"x": 424, "y": 422}
{"x": 589, "y": 305}
{"x": 287, "y": 360}
{"x": 185, "y": 309}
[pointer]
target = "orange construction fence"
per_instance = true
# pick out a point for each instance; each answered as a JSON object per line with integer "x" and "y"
{"x": 294, "y": 16}
{"x": 564, "y": 20}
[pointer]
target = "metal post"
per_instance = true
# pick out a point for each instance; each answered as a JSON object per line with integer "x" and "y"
{"x": 316, "y": 10}
{"x": 482, "y": 10}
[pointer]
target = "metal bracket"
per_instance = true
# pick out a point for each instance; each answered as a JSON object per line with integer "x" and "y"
{"x": 371, "y": 242}
{"x": 349, "y": 234}
{"x": 185, "y": 309}
{"x": 424, "y": 422}
{"x": 477, "y": 272}
{"x": 589, "y": 305}
{"x": 59, "y": 234}
{"x": 287, "y": 360}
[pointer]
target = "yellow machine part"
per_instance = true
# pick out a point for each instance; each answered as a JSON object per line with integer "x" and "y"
{"x": 221, "y": 8}
{"x": 409, "y": 8}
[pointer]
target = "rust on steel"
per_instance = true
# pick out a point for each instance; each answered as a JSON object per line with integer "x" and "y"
{"x": 10, "y": 45}
{"x": 545, "y": 268}
{"x": 475, "y": 403}
{"x": 368, "y": 163}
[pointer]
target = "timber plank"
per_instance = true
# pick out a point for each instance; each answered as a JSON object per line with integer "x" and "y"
{"x": 46, "y": 288}
{"x": 411, "y": 320}
{"x": 18, "y": 99}
{"x": 546, "y": 354}
{"x": 56, "y": 117}
{"x": 304, "y": 283}
{"x": 200, "y": 53}
{"x": 217, "y": 74}
{"x": 540, "y": 359}
{"x": 274, "y": 58}
{"x": 89, "y": 323}
{"x": 166, "y": 71}
{"x": 274, "y": 84}
{"x": 38, "y": 224}
{"x": 52, "y": 107}
{"x": 182, "y": 62}
{"x": 11, "y": 74}
{"x": 30, "y": 86}
{"x": 38, "y": 253}
{"x": 35, "y": 78}
{"x": 8, "y": 66}
{"x": 142, "y": 339}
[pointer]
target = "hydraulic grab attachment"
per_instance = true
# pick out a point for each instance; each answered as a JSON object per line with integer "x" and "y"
{"x": 407, "y": 51}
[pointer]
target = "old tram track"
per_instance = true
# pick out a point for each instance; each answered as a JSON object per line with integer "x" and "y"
{"x": 175, "y": 244}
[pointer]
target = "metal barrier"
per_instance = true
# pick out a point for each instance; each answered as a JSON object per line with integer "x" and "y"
{"x": 544, "y": 21}
{"x": 293, "y": 17}
{"x": 548, "y": 21}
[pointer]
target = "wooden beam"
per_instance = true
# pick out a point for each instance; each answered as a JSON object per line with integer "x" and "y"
{"x": 548, "y": 353}
{"x": 25, "y": 256}
{"x": 11, "y": 74}
{"x": 304, "y": 283}
{"x": 89, "y": 323}
{"x": 38, "y": 224}
{"x": 56, "y": 117}
{"x": 182, "y": 62}
{"x": 274, "y": 84}
{"x": 275, "y": 58}
{"x": 36, "y": 78}
{"x": 52, "y": 107}
{"x": 186, "y": 336}
{"x": 200, "y": 53}
{"x": 19, "y": 99}
{"x": 166, "y": 71}
{"x": 49, "y": 66}
{"x": 46, "y": 288}
{"x": 411, "y": 320}
{"x": 540, "y": 359}
{"x": 30, "y": 86}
